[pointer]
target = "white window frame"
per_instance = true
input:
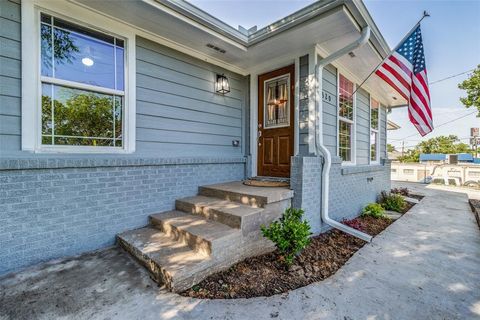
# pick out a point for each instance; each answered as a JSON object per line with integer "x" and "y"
{"x": 31, "y": 73}
{"x": 377, "y": 159}
{"x": 353, "y": 142}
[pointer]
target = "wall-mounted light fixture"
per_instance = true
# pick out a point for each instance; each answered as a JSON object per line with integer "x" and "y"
{"x": 221, "y": 85}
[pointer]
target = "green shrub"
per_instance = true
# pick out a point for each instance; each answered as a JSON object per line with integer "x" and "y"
{"x": 290, "y": 234}
{"x": 392, "y": 201}
{"x": 373, "y": 210}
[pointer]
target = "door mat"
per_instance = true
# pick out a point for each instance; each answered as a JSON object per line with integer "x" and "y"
{"x": 267, "y": 182}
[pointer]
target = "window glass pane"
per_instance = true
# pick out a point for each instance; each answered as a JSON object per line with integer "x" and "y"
{"x": 80, "y": 117}
{"x": 46, "y": 18}
{"x": 62, "y": 24}
{"x": 83, "y": 59}
{"x": 81, "y": 55}
{"x": 345, "y": 98}
{"x": 374, "y": 108}
{"x": 120, "y": 61}
{"x": 276, "y": 108}
{"x": 373, "y": 145}
{"x": 345, "y": 141}
{"x": 46, "y": 49}
{"x": 47, "y": 112}
{"x": 118, "y": 121}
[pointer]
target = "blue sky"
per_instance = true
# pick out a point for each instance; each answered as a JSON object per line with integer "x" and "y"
{"x": 451, "y": 38}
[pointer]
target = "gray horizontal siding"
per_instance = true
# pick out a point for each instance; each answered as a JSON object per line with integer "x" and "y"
{"x": 178, "y": 113}
{"x": 303, "y": 108}
{"x": 383, "y": 132}
{"x": 329, "y": 85}
{"x": 10, "y": 77}
{"x": 362, "y": 126}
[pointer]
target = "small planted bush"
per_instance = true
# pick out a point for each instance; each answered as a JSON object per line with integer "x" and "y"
{"x": 290, "y": 234}
{"x": 392, "y": 201}
{"x": 373, "y": 210}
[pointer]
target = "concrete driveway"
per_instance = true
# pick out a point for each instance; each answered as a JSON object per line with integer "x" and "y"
{"x": 424, "y": 266}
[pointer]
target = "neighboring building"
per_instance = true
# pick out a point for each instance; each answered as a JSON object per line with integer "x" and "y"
{"x": 392, "y": 125}
{"x": 110, "y": 111}
{"x": 456, "y": 174}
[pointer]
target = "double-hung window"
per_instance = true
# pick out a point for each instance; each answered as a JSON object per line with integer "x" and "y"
{"x": 82, "y": 85}
{"x": 374, "y": 137}
{"x": 346, "y": 120}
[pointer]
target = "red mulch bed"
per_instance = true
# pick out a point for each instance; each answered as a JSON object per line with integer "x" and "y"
{"x": 266, "y": 275}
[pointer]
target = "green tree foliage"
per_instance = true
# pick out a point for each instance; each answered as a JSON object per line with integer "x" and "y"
{"x": 290, "y": 234}
{"x": 442, "y": 144}
{"x": 83, "y": 114}
{"x": 390, "y": 148}
{"x": 412, "y": 155}
{"x": 472, "y": 87}
{"x": 64, "y": 47}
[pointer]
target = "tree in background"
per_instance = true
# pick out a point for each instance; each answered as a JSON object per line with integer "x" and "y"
{"x": 390, "y": 148}
{"x": 441, "y": 144}
{"x": 472, "y": 87}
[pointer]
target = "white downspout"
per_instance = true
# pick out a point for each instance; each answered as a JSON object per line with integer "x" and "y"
{"x": 320, "y": 147}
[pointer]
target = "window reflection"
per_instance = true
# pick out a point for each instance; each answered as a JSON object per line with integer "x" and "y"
{"x": 72, "y": 115}
{"x": 79, "y": 117}
{"x": 81, "y": 55}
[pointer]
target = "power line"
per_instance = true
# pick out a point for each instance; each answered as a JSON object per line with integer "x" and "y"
{"x": 450, "y": 77}
{"x": 440, "y": 125}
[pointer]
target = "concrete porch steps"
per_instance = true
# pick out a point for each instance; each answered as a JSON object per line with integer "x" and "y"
{"x": 257, "y": 197}
{"x": 200, "y": 234}
{"x": 235, "y": 215}
{"x": 168, "y": 261}
{"x": 206, "y": 233}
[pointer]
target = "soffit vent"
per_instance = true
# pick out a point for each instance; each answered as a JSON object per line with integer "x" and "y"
{"x": 214, "y": 47}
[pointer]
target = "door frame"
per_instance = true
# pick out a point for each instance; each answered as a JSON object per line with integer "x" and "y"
{"x": 271, "y": 66}
{"x": 288, "y": 70}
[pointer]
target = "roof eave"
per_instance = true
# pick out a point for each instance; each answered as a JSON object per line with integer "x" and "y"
{"x": 356, "y": 8}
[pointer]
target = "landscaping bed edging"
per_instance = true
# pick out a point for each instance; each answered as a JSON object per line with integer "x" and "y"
{"x": 266, "y": 275}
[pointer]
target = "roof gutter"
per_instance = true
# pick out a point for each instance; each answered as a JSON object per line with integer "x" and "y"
{"x": 320, "y": 147}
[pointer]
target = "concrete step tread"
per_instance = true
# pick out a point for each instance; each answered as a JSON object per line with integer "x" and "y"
{"x": 200, "y": 227}
{"x": 171, "y": 256}
{"x": 226, "y": 206}
{"x": 248, "y": 195}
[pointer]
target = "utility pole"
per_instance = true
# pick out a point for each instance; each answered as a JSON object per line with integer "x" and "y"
{"x": 403, "y": 146}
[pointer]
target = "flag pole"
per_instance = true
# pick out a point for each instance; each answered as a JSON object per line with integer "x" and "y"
{"x": 425, "y": 14}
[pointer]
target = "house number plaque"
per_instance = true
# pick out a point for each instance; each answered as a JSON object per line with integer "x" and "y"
{"x": 326, "y": 96}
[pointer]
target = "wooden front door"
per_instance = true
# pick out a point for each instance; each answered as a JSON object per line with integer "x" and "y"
{"x": 275, "y": 122}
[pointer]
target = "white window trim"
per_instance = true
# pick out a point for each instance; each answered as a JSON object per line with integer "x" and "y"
{"x": 377, "y": 160}
{"x": 353, "y": 141}
{"x": 31, "y": 73}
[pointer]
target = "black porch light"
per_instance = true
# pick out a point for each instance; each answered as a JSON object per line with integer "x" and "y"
{"x": 221, "y": 85}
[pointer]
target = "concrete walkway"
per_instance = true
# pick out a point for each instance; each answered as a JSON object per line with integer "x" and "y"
{"x": 424, "y": 266}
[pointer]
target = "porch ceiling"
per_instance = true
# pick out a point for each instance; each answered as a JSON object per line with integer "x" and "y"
{"x": 331, "y": 27}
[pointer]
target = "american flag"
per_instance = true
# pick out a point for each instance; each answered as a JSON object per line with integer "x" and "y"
{"x": 405, "y": 71}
